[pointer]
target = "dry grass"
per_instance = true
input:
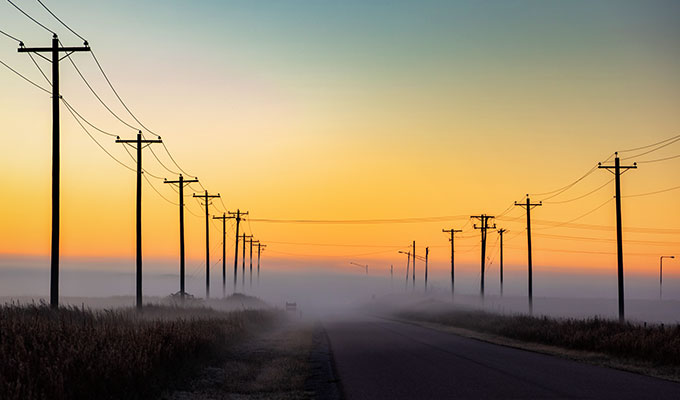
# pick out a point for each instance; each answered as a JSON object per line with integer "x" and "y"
{"x": 656, "y": 345}
{"x": 74, "y": 353}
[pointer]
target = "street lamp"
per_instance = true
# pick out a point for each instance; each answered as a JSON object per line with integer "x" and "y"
{"x": 661, "y": 272}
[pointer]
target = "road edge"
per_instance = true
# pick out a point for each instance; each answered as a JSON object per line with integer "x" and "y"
{"x": 323, "y": 380}
{"x": 591, "y": 358}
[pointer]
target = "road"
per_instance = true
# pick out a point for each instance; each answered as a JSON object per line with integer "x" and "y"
{"x": 383, "y": 359}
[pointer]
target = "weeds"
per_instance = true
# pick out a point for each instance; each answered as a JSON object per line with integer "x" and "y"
{"x": 73, "y": 353}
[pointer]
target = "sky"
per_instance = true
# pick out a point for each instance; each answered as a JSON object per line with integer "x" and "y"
{"x": 352, "y": 110}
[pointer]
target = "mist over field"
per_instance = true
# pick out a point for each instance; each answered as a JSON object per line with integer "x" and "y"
{"x": 323, "y": 288}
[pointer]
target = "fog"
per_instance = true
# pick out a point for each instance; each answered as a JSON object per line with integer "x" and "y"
{"x": 323, "y": 288}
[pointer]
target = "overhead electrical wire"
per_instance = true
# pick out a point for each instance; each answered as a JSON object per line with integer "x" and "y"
{"x": 650, "y": 145}
{"x": 582, "y": 196}
{"x": 362, "y": 221}
{"x": 579, "y": 217}
{"x": 651, "y": 193}
{"x": 659, "y": 159}
{"x": 62, "y": 22}
{"x": 10, "y": 36}
{"x": 31, "y": 18}
{"x": 677, "y": 139}
{"x": 25, "y": 78}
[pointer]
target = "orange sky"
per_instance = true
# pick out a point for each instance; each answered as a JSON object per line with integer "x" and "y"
{"x": 290, "y": 119}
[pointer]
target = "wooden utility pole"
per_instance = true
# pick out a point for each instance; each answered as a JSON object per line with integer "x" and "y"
{"x": 180, "y": 184}
{"x": 260, "y": 246}
{"x": 484, "y": 227}
{"x": 617, "y": 167}
{"x": 56, "y": 96}
{"x": 392, "y": 277}
{"x": 238, "y": 216}
{"x": 427, "y": 251}
{"x": 224, "y": 219}
{"x": 408, "y": 264}
{"x": 139, "y": 143}
{"x": 501, "y": 232}
{"x": 452, "y": 232}
{"x": 414, "y": 265}
{"x": 251, "y": 260}
{"x": 243, "y": 272}
{"x": 528, "y": 206}
{"x": 206, "y": 203}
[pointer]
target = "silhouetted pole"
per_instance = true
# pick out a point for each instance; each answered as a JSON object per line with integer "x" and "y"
{"x": 243, "y": 272}
{"x": 260, "y": 246}
{"x": 408, "y": 264}
{"x": 206, "y": 198}
{"x": 414, "y": 265}
{"x": 180, "y": 184}
{"x": 452, "y": 232}
{"x": 619, "y": 234}
{"x": 238, "y": 215}
{"x": 224, "y": 219}
{"x": 392, "y": 277}
{"x": 427, "y": 251}
{"x": 501, "y": 232}
{"x": 251, "y": 260}
{"x": 661, "y": 273}
{"x": 139, "y": 142}
{"x": 484, "y": 226}
{"x": 528, "y": 206}
{"x": 56, "y": 96}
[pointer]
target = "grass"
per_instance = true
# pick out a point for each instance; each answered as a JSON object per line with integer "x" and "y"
{"x": 73, "y": 353}
{"x": 655, "y": 345}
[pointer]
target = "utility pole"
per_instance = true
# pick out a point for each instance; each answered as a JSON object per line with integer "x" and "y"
{"x": 139, "y": 142}
{"x": 414, "y": 265}
{"x": 484, "y": 227}
{"x": 243, "y": 275}
{"x": 619, "y": 230}
{"x": 206, "y": 199}
{"x": 391, "y": 277}
{"x": 408, "y": 264}
{"x": 260, "y": 246}
{"x": 427, "y": 251}
{"x": 528, "y": 205}
{"x": 251, "y": 260}
{"x": 238, "y": 216}
{"x": 56, "y": 96}
{"x": 661, "y": 273}
{"x": 224, "y": 219}
{"x": 180, "y": 184}
{"x": 452, "y": 232}
{"x": 501, "y": 232}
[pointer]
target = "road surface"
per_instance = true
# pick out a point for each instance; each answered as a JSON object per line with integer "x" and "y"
{"x": 383, "y": 359}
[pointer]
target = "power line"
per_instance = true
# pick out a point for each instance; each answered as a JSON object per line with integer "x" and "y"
{"x": 362, "y": 221}
{"x": 98, "y": 97}
{"x": 31, "y": 18}
{"x": 62, "y": 22}
{"x": 650, "y": 145}
{"x": 11, "y": 37}
{"x": 25, "y": 78}
{"x": 95, "y": 140}
{"x": 582, "y": 196}
{"x": 654, "y": 149}
{"x": 577, "y": 218}
{"x": 659, "y": 159}
{"x": 651, "y": 193}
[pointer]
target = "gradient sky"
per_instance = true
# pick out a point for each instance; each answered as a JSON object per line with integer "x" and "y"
{"x": 353, "y": 110}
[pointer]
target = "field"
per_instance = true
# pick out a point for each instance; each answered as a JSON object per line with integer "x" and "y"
{"x": 75, "y": 353}
{"x": 646, "y": 348}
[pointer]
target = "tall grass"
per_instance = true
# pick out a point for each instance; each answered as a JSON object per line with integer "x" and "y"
{"x": 73, "y": 353}
{"x": 655, "y": 344}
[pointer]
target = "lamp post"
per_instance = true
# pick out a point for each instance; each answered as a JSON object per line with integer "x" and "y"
{"x": 661, "y": 273}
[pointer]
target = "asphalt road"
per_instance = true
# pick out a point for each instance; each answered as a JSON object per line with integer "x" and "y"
{"x": 382, "y": 359}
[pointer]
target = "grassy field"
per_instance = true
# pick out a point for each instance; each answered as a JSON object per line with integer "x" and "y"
{"x": 655, "y": 346}
{"x": 73, "y": 353}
